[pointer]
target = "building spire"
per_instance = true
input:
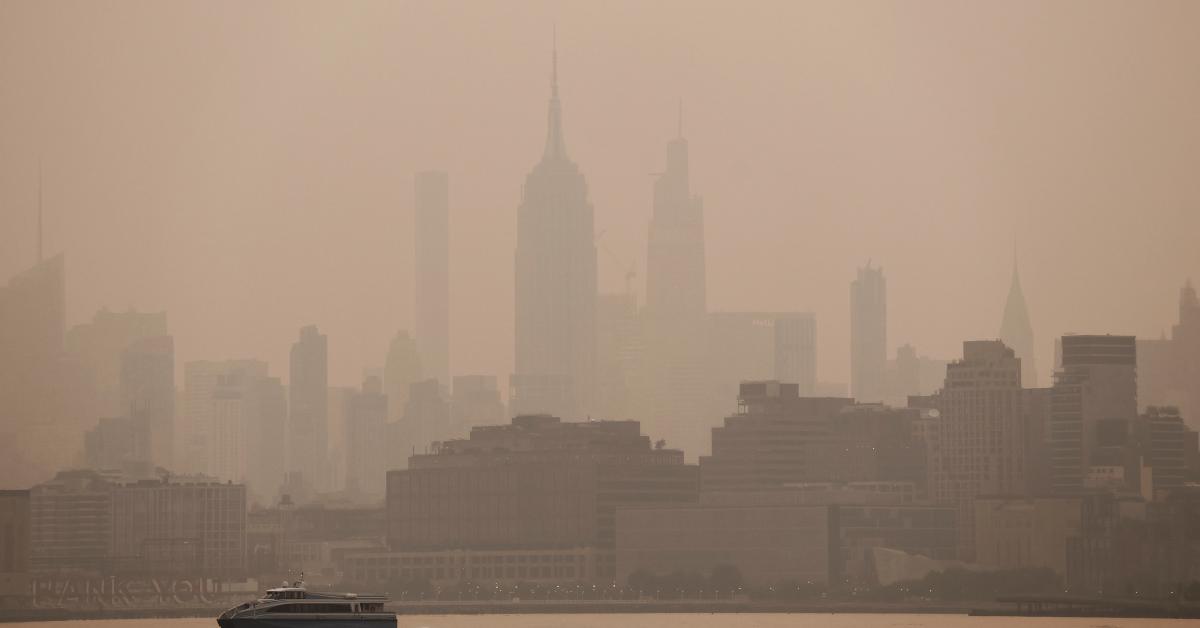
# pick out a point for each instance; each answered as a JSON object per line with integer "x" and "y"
{"x": 39, "y": 225}
{"x": 1016, "y": 330}
{"x": 556, "y": 147}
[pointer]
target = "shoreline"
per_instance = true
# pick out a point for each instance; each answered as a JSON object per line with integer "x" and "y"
{"x": 571, "y": 607}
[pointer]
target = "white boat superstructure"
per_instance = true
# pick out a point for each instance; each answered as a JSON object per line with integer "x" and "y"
{"x": 295, "y": 606}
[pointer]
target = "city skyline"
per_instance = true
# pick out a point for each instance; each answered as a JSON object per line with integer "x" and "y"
{"x": 214, "y": 223}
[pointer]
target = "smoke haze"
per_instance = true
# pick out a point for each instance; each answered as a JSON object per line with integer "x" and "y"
{"x": 248, "y": 167}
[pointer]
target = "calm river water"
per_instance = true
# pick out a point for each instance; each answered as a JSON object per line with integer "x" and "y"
{"x": 722, "y": 620}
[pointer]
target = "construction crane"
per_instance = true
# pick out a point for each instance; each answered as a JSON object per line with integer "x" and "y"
{"x": 630, "y": 270}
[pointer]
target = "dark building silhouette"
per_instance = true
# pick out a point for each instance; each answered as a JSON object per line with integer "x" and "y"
{"x": 539, "y": 483}
{"x": 308, "y": 409}
{"x": 1093, "y": 408}
{"x": 432, "y": 246}
{"x": 15, "y": 539}
{"x": 555, "y": 282}
{"x": 981, "y": 437}
{"x": 1163, "y": 443}
{"x": 868, "y": 335}
{"x": 778, "y": 438}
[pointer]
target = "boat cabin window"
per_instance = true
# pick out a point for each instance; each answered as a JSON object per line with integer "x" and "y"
{"x": 310, "y": 608}
{"x": 285, "y": 595}
{"x": 370, "y": 607}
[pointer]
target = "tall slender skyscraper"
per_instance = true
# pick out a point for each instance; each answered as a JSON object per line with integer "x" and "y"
{"x": 675, "y": 267}
{"x": 308, "y": 409}
{"x": 433, "y": 273}
{"x": 676, "y": 306}
{"x": 1017, "y": 332}
{"x": 868, "y": 335}
{"x": 555, "y": 282}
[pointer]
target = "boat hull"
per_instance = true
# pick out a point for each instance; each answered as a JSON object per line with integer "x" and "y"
{"x": 301, "y": 622}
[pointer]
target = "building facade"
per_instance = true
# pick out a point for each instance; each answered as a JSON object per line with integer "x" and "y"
{"x": 308, "y": 408}
{"x": 868, "y": 335}
{"x": 432, "y": 248}
{"x": 1093, "y": 409}
{"x": 539, "y": 483}
{"x": 981, "y": 447}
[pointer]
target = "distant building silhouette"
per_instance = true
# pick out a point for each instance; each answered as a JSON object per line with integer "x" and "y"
{"x": 1017, "y": 332}
{"x": 676, "y": 381}
{"x": 620, "y": 356}
{"x": 148, "y": 393}
{"x": 366, "y": 439}
{"x": 868, "y": 334}
{"x": 400, "y": 371}
{"x": 34, "y": 393}
{"x": 555, "y": 282}
{"x": 222, "y": 432}
{"x": 432, "y": 246}
{"x": 1169, "y": 367}
{"x": 474, "y": 401}
{"x": 426, "y": 421}
{"x": 744, "y": 346}
{"x": 100, "y": 344}
{"x": 308, "y": 410}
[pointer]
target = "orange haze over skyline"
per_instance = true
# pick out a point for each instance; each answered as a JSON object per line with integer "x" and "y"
{"x": 248, "y": 167}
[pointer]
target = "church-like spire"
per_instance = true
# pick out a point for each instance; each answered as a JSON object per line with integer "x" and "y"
{"x": 1016, "y": 330}
{"x": 556, "y": 147}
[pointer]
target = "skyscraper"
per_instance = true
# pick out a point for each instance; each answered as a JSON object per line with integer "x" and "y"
{"x": 366, "y": 439}
{"x": 401, "y": 369}
{"x": 32, "y": 325}
{"x": 148, "y": 393}
{"x": 868, "y": 334}
{"x": 675, "y": 266}
{"x": 308, "y": 411}
{"x": 555, "y": 264}
{"x": 1017, "y": 332}
{"x": 432, "y": 248}
{"x": 676, "y": 304}
{"x": 981, "y": 448}
{"x": 220, "y": 433}
{"x": 1093, "y": 409}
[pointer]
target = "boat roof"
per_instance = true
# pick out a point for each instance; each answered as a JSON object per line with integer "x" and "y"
{"x": 330, "y": 595}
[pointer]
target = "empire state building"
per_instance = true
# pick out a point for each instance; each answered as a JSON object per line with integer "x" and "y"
{"x": 555, "y": 282}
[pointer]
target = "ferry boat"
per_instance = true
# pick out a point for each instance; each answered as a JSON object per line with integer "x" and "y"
{"x": 293, "y": 606}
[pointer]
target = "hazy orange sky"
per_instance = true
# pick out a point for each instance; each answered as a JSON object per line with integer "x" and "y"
{"x": 247, "y": 167}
